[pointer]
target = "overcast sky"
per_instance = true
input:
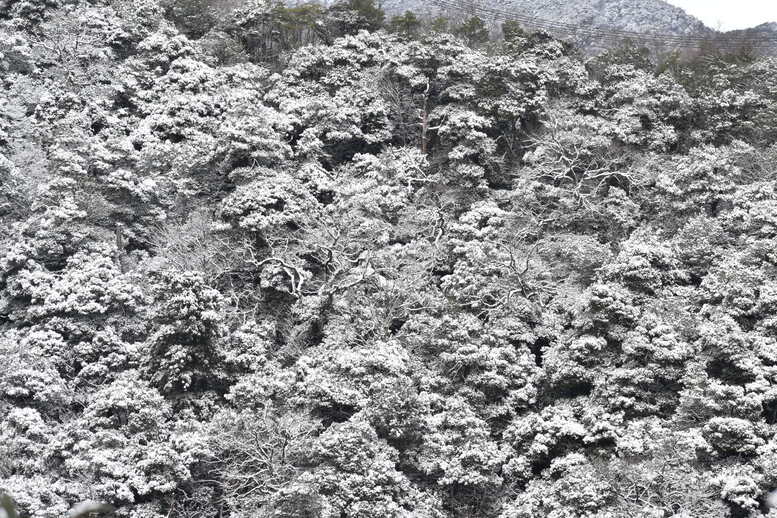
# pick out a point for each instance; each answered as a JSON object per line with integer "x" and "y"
{"x": 730, "y": 14}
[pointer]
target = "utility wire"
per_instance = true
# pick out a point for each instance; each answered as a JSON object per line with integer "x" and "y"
{"x": 610, "y": 34}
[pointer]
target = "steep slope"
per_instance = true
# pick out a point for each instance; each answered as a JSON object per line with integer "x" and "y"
{"x": 384, "y": 277}
{"x": 644, "y": 16}
{"x": 759, "y": 32}
{"x": 635, "y": 15}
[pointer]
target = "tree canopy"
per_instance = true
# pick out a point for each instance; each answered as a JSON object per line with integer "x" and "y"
{"x": 260, "y": 260}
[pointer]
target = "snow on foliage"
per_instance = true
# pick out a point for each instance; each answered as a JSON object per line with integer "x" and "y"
{"x": 304, "y": 261}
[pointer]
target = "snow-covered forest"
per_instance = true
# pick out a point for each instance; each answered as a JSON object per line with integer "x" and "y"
{"x": 320, "y": 262}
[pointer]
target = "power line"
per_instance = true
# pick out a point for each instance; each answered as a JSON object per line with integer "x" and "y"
{"x": 610, "y": 34}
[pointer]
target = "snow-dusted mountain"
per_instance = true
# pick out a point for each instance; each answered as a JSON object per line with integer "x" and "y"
{"x": 765, "y": 30}
{"x": 648, "y": 16}
{"x": 633, "y": 15}
{"x": 637, "y": 15}
{"x": 767, "y": 27}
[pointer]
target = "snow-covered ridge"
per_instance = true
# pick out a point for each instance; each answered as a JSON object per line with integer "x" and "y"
{"x": 654, "y": 16}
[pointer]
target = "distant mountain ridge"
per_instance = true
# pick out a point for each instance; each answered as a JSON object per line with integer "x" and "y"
{"x": 765, "y": 30}
{"x": 653, "y": 18}
{"x": 648, "y": 16}
{"x": 643, "y": 16}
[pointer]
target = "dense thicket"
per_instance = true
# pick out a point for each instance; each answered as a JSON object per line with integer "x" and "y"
{"x": 306, "y": 270}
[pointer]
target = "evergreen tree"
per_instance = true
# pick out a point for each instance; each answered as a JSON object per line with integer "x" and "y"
{"x": 473, "y": 30}
{"x": 407, "y": 25}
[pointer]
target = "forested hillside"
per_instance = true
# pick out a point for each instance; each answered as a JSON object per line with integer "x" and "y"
{"x": 655, "y": 16}
{"x": 307, "y": 262}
